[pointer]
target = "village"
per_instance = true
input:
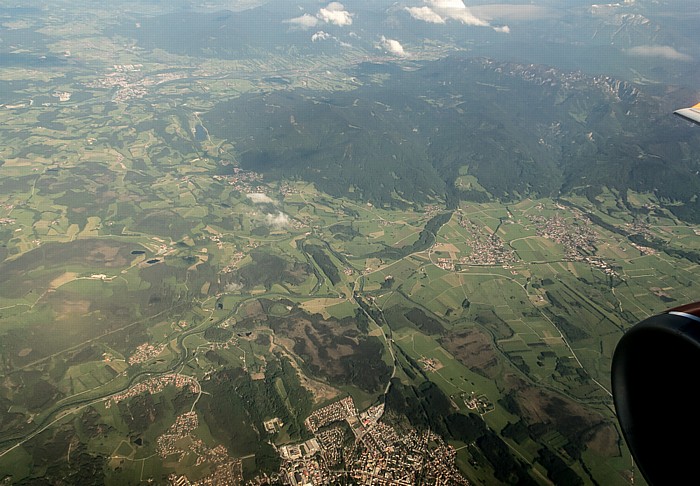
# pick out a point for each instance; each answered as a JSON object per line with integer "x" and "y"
{"x": 246, "y": 182}
{"x": 144, "y": 352}
{"x": 156, "y": 385}
{"x": 487, "y": 249}
{"x": 578, "y": 239}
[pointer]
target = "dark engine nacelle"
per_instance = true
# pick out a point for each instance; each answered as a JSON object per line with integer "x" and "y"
{"x": 655, "y": 384}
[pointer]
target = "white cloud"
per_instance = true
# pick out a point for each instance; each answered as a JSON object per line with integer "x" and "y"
{"x": 425, "y": 14}
{"x": 392, "y": 46}
{"x": 304, "y": 22}
{"x": 437, "y": 11}
{"x": 278, "y": 221}
{"x": 463, "y": 15}
{"x": 320, "y": 36}
{"x": 666, "y": 52}
{"x": 446, "y": 3}
{"x": 335, "y": 13}
{"x": 260, "y": 198}
{"x": 504, "y": 28}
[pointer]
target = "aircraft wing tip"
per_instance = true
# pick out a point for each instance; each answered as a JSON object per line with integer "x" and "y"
{"x": 690, "y": 114}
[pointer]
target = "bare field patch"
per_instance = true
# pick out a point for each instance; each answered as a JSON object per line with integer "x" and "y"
{"x": 446, "y": 247}
{"x": 320, "y": 391}
{"x": 63, "y": 279}
{"x": 70, "y": 308}
{"x": 334, "y": 349}
{"x": 571, "y": 419}
{"x": 474, "y": 349}
{"x": 605, "y": 442}
{"x": 319, "y": 306}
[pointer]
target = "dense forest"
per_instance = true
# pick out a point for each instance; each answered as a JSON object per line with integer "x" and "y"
{"x": 518, "y": 130}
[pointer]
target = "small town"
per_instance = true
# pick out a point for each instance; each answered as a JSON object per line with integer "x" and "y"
{"x": 335, "y": 412}
{"x": 130, "y": 83}
{"x": 403, "y": 458}
{"x": 378, "y": 456}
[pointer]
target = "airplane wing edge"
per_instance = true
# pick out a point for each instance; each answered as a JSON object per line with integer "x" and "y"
{"x": 690, "y": 114}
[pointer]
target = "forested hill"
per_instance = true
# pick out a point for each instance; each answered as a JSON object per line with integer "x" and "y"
{"x": 466, "y": 127}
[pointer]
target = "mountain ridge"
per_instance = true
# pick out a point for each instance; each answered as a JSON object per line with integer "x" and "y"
{"x": 521, "y": 130}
